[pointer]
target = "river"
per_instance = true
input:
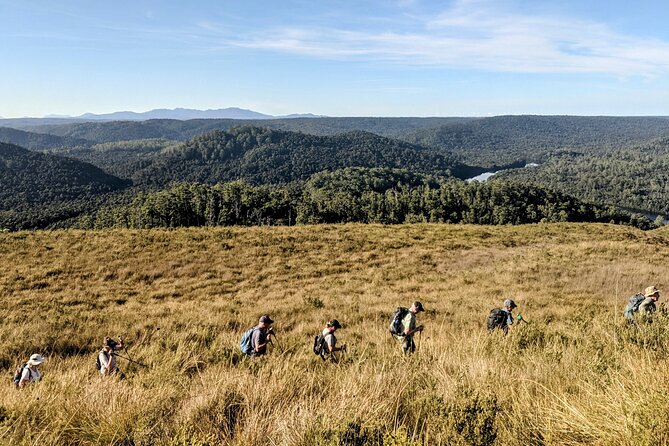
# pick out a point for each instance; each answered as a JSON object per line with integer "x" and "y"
{"x": 485, "y": 175}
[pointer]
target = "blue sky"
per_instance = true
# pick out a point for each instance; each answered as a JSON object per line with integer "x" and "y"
{"x": 336, "y": 58}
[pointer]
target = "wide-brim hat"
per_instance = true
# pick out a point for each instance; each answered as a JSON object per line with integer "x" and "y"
{"x": 36, "y": 359}
{"x": 651, "y": 290}
{"x": 266, "y": 319}
{"x": 418, "y": 306}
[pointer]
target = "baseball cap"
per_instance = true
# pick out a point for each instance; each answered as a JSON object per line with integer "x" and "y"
{"x": 266, "y": 319}
{"x": 510, "y": 303}
{"x": 334, "y": 323}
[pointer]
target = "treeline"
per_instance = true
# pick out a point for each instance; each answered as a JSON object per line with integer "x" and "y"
{"x": 354, "y": 195}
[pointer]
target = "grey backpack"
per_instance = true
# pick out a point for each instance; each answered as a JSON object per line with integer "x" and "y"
{"x": 633, "y": 305}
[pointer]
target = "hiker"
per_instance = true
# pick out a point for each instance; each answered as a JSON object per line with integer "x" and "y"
{"x": 643, "y": 303}
{"x": 408, "y": 327}
{"x": 262, "y": 336}
{"x": 502, "y": 317}
{"x": 29, "y": 373}
{"x": 326, "y": 343}
{"x": 107, "y": 358}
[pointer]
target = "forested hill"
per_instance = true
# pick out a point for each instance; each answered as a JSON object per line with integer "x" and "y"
{"x": 262, "y": 155}
{"x": 38, "y": 141}
{"x": 177, "y": 130}
{"x": 507, "y": 139}
{"x": 634, "y": 178}
{"x": 32, "y": 178}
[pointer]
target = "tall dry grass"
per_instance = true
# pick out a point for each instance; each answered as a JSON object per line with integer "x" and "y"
{"x": 575, "y": 375}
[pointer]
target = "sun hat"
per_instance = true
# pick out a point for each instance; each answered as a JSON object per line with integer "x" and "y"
{"x": 650, "y": 291}
{"x": 36, "y": 359}
{"x": 266, "y": 319}
{"x": 510, "y": 303}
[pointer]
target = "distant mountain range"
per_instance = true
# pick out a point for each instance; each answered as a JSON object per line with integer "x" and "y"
{"x": 163, "y": 113}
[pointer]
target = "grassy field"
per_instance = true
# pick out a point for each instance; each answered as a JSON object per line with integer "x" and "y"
{"x": 575, "y": 375}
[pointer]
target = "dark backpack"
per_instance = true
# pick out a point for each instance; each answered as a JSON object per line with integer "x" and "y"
{"x": 19, "y": 373}
{"x": 497, "y": 319}
{"x": 633, "y": 305}
{"x": 246, "y": 342}
{"x": 320, "y": 346}
{"x": 396, "y": 326}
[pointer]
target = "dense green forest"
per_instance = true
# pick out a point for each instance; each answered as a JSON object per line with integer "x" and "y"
{"x": 28, "y": 178}
{"x": 634, "y": 178}
{"x": 38, "y": 141}
{"x": 503, "y": 140}
{"x": 266, "y": 156}
{"x": 601, "y": 160}
{"x": 121, "y": 158}
{"x": 353, "y": 195}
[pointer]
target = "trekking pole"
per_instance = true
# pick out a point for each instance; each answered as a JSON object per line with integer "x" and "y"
{"x": 420, "y": 336}
{"x": 132, "y": 360}
{"x": 521, "y": 318}
{"x": 278, "y": 344}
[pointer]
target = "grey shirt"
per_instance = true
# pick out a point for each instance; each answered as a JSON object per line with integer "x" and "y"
{"x": 259, "y": 337}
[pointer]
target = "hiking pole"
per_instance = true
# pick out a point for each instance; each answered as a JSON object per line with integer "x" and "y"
{"x": 521, "y": 319}
{"x": 132, "y": 360}
{"x": 278, "y": 344}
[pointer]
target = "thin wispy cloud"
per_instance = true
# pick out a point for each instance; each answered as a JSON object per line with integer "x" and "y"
{"x": 477, "y": 35}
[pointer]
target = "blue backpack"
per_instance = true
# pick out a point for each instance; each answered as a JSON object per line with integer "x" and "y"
{"x": 633, "y": 305}
{"x": 245, "y": 343}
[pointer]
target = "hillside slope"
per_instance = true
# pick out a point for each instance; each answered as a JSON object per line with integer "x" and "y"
{"x": 36, "y": 178}
{"x": 504, "y": 140}
{"x": 575, "y": 374}
{"x": 38, "y": 141}
{"x": 261, "y": 155}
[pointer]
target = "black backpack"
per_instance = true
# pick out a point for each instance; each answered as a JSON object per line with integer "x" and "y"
{"x": 320, "y": 346}
{"x": 497, "y": 319}
{"x": 396, "y": 326}
{"x": 19, "y": 373}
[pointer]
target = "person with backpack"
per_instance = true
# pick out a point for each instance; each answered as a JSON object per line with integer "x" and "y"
{"x": 29, "y": 373}
{"x": 106, "y": 362}
{"x": 325, "y": 344}
{"x": 642, "y": 303}
{"x": 254, "y": 341}
{"x": 502, "y": 317}
{"x": 403, "y": 326}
